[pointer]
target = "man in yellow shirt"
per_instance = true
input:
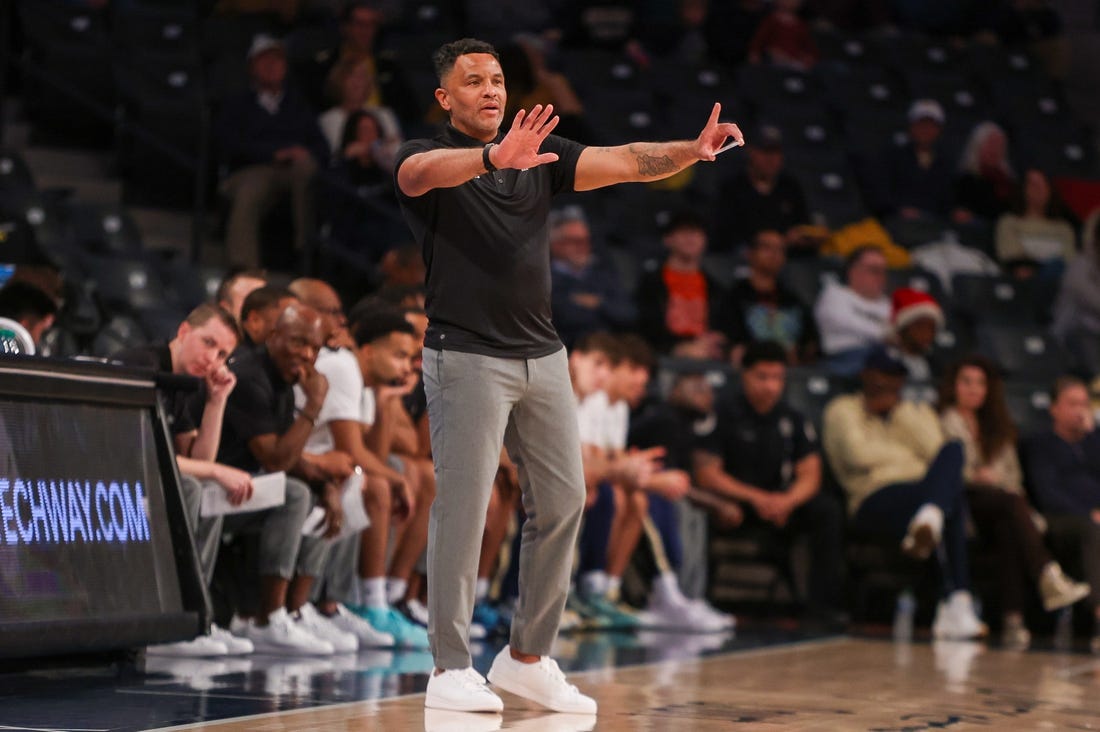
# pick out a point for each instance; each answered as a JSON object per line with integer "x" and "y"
{"x": 903, "y": 480}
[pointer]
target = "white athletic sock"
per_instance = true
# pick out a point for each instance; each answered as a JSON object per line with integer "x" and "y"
{"x": 666, "y": 588}
{"x": 395, "y": 589}
{"x": 481, "y": 589}
{"x": 372, "y": 591}
{"x": 593, "y": 584}
{"x": 614, "y": 586}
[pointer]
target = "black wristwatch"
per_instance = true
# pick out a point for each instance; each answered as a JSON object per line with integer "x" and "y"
{"x": 489, "y": 167}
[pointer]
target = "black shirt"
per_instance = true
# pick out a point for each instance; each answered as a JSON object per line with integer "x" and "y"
{"x": 761, "y": 449}
{"x": 780, "y": 316}
{"x": 487, "y": 251}
{"x": 262, "y": 403}
{"x": 184, "y": 407}
{"x": 416, "y": 401}
{"x": 679, "y": 431}
{"x": 745, "y": 211}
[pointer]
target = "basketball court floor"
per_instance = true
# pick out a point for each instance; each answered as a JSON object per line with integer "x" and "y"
{"x": 763, "y": 678}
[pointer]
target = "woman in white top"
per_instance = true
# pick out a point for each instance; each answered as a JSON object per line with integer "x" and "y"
{"x": 350, "y": 85}
{"x": 973, "y": 411}
{"x": 1035, "y": 232}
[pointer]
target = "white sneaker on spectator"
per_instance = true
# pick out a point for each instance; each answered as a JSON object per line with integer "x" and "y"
{"x": 237, "y": 646}
{"x": 318, "y": 625}
{"x": 925, "y": 529}
{"x": 349, "y": 622}
{"x": 202, "y": 646}
{"x": 956, "y": 620}
{"x": 283, "y": 636}
{"x": 417, "y": 612}
{"x": 541, "y": 682}
{"x": 725, "y": 621}
{"x": 461, "y": 690}
{"x": 1059, "y": 591}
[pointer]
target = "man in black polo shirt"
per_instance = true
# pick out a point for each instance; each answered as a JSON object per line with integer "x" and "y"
{"x": 202, "y": 344}
{"x": 764, "y": 454}
{"x": 263, "y": 432}
{"x": 477, "y": 203}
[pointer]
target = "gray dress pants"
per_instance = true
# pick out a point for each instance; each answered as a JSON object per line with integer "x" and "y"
{"x": 475, "y": 404}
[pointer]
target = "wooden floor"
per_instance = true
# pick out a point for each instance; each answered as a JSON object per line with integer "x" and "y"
{"x": 837, "y": 684}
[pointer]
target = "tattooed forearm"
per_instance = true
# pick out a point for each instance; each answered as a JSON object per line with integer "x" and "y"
{"x": 652, "y": 165}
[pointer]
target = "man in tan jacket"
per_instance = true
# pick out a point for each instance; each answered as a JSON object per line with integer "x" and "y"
{"x": 904, "y": 481}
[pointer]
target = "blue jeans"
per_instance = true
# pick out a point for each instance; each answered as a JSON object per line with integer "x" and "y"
{"x": 889, "y": 510}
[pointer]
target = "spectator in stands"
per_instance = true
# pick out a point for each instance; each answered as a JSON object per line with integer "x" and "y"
{"x": 235, "y": 286}
{"x": 586, "y": 295}
{"x": 349, "y": 87}
{"x": 680, "y": 425}
{"x": 28, "y": 306}
{"x": 784, "y": 39}
{"x": 679, "y": 304}
{"x": 986, "y": 186}
{"x": 360, "y": 205}
{"x": 853, "y": 317}
{"x": 264, "y": 432}
{"x": 1035, "y": 237}
{"x": 973, "y": 411}
{"x": 1063, "y": 470}
{"x": 530, "y": 81}
{"x": 762, "y": 197}
{"x": 761, "y": 308}
{"x": 271, "y": 145}
{"x": 259, "y": 313}
{"x": 916, "y": 178}
{"x": 764, "y": 455}
{"x": 915, "y": 319}
{"x": 362, "y": 23}
{"x": 1077, "y": 308}
{"x": 200, "y": 349}
{"x": 904, "y": 482}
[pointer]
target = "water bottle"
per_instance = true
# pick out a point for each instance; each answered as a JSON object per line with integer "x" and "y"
{"x": 903, "y": 616}
{"x": 1063, "y": 629}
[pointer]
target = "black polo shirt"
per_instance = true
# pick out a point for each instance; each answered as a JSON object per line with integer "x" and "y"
{"x": 761, "y": 449}
{"x": 184, "y": 408}
{"x": 262, "y": 403}
{"x": 680, "y": 431}
{"x": 486, "y": 247}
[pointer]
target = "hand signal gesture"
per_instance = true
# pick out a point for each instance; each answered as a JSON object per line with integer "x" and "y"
{"x": 520, "y": 147}
{"x": 714, "y": 135}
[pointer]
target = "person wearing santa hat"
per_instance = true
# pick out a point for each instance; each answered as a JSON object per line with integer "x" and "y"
{"x": 915, "y": 318}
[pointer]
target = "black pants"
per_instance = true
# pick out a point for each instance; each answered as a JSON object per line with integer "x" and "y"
{"x": 1005, "y": 519}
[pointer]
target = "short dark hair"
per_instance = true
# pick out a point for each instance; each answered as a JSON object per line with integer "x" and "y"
{"x": 208, "y": 311}
{"x": 600, "y": 341}
{"x": 20, "y": 300}
{"x": 763, "y": 352}
{"x": 857, "y": 254}
{"x": 264, "y": 297}
{"x": 444, "y": 58}
{"x": 1062, "y": 383}
{"x": 235, "y": 274}
{"x": 634, "y": 349}
{"x": 684, "y": 219}
{"x": 378, "y": 324}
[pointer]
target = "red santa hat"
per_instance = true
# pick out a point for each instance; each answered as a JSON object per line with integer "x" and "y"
{"x": 910, "y": 305}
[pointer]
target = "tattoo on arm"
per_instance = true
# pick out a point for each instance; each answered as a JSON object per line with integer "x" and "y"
{"x": 652, "y": 165}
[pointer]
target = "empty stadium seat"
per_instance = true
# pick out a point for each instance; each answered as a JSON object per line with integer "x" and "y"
{"x": 1022, "y": 351}
{"x": 831, "y": 194}
{"x": 14, "y": 172}
{"x": 104, "y": 228}
{"x": 805, "y": 277}
{"x": 127, "y": 285}
{"x": 1029, "y": 404}
{"x": 809, "y": 390}
{"x": 992, "y": 299}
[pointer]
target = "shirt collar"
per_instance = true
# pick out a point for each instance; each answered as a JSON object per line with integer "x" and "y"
{"x": 452, "y": 135}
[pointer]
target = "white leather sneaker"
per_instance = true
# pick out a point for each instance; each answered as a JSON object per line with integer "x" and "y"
{"x": 541, "y": 682}
{"x": 284, "y": 637}
{"x": 202, "y": 646}
{"x": 461, "y": 690}
{"x": 368, "y": 636}
{"x": 318, "y": 625}
{"x": 237, "y": 646}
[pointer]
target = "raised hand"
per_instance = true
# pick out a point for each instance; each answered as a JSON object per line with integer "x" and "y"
{"x": 715, "y": 134}
{"x": 520, "y": 147}
{"x": 219, "y": 384}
